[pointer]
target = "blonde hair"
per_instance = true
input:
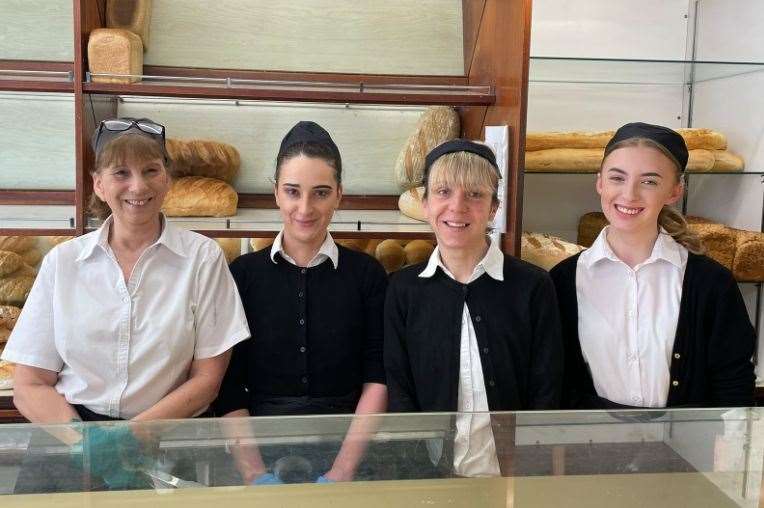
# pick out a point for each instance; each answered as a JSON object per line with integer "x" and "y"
{"x": 673, "y": 222}
{"x": 466, "y": 170}
{"x": 128, "y": 148}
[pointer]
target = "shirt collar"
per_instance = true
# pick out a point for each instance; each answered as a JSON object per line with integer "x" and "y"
{"x": 328, "y": 250}
{"x": 665, "y": 248}
{"x": 492, "y": 264}
{"x": 170, "y": 238}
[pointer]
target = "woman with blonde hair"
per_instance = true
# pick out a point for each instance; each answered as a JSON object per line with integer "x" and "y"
{"x": 648, "y": 320}
{"x": 471, "y": 330}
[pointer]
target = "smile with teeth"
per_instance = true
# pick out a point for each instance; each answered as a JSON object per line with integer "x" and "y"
{"x": 627, "y": 210}
{"x": 137, "y": 202}
{"x": 453, "y": 224}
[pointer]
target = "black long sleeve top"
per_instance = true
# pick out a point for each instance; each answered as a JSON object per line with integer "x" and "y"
{"x": 711, "y": 358}
{"x": 316, "y": 332}
{"x": 517, "y": 329}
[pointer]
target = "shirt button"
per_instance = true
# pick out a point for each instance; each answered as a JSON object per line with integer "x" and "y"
{"x": 304, "y": 270}
{"x": 302, "y": 321}
{"x": 636, "y": 399}
{"x": 491, "y": 383}
{"x": 302, "y": 349}
{"x": 299, "y": 295}
{"x": 485, "y": 350}
{"x": 478, "y": 319}
{"x": 677, "y": 356}
{"x": 304, "y": 379}
{"x": 464, "y": 289}
{"x": 675, "y": 383}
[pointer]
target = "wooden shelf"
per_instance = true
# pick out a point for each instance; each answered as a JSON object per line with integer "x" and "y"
{"x": 31, "y": 76}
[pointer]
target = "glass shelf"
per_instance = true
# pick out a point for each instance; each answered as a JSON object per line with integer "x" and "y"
{"x": 714, "y": 173}
{"x": 260, "y": 221}
{"x": 275, "y": 90}
{"x": 37, "y": 217}
{"x": 36, "y": 80}
{"x": 634, "y": 72}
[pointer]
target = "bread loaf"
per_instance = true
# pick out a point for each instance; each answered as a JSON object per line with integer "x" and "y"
{"x": 115, "y": 51}
{"x": 9, "y": 262}
{"x": 199, "y": 157}
{"x": 700, "y": 160}
{"x": 748, "y": 264}
{"x": 260, "y": 243}
{"x": 391, "y": 255}
{"x": 546, "y": 251}
{"x": 719, "y": 240}
{"x": 564, "y": 159}
{"x": 695, "y": 138}
{"x": 55, "y": 240}
{"x": 6, "y": 375}
{"x": 32, "y": 257}
{"x": 356, "y": 244}
{"x": 195, "y": 196}
{"x": 410, "y": 204}
{"x": 132, "y": 15}
{"x": 727, "y": 161}
{"x": 15, "y": 288}
{"x": 436, "y": 125}
{"x": 4, "y": 335}
{"x": 371, "y": 247}
{"x": 418, "y": 251}
{"x": 18, "y": 244}
{"x": 589, "y": 227}
{"x": 8, "y": 316}
{"x": 231, "y": 248}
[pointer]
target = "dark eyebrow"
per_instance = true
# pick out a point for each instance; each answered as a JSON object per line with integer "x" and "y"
{"x": 295, "y": 185}
{"x": 652, "y": 174}
{"x": 323, "y": 187}
{"x": 622, "y": 172}
{"x": 617, "y": 171}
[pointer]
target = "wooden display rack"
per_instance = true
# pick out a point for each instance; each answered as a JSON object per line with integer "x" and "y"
{"x": 492, "y": 91}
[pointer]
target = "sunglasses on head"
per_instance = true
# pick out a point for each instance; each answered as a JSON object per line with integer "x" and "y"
{"x": 110, "y": 129}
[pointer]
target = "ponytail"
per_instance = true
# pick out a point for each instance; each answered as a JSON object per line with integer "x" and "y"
{"x": 675, "y": 225}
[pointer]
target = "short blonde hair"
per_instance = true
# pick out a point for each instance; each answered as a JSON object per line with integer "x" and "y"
{"x": 124, "y": 149}
{"x": 466, "y": 170}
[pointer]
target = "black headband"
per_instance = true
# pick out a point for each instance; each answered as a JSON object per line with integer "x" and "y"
{"x": 669, "y": 139}
{"x": 308, "y": 132}
{"x": 459, "y": 145}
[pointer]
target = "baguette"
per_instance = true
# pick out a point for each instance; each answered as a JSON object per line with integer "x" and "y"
{"x": 590, "y": 159}
{"x": 695, "y": 138}
{"x": 546, "y": 251}
{"x": 195, "y": 196}
{"x": 410, "y": 204}
{"x": 32, "y": 257}
{"x": 700, "y": 160}
{"x": 200, "y": 157}
{"x": 436, "y": 125}
{"x": 727, "y": 161}
{"x": 708, "y": 139}
{"x": 17, "y": 244}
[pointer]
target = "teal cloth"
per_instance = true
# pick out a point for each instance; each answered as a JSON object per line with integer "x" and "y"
{"x": 111, "y": 452}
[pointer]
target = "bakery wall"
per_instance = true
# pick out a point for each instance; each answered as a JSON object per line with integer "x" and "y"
{"x": 52, "y": 35}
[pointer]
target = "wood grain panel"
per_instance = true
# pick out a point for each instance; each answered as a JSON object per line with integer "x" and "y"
{"x": 472, "y": 14}
{"x": 36, "y": 197}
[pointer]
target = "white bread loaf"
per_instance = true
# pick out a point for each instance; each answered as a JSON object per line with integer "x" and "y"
{"x": 546, "y": 251}
{"x": 201, "y": 157}
{"x": 131, "y": 15}
{"x": 195, "y": 196}
{"x": 436, "y": 125}
{"x": 410, "y": 204}
{"x": 115, "y": 51}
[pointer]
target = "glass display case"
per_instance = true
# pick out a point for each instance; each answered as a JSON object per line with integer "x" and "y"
{"x": 656, "y": 458}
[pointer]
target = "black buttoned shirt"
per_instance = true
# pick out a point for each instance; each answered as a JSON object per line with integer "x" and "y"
{"x": 316, "y": 332}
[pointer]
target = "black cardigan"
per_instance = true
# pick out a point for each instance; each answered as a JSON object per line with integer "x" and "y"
{"x": 517, "y": 328}
{"x": 711, "y": 359}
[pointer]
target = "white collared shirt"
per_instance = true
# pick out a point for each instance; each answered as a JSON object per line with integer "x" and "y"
{"x": 119, "y": 347}
{"x": 627, "y": 319}
{"x": 328, "y": 250}
{"x": 474, "y": 446}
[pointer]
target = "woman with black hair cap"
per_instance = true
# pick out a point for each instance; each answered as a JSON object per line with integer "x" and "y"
{"x": 315, "y": 312}
{"x": 648, "y": 320}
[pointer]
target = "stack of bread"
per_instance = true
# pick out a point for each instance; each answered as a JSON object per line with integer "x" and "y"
{"x": 118, "y": 49}
{"x": 583, "y": 151}
{"x": 436, "y": 125}
{"x": 8, "y": 316}
{"x": 740, "y": 251}
{"x": 546, "y": 251}
{"x": 205, "y": 170}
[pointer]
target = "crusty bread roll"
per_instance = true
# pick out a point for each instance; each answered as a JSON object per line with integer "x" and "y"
{"x": 748, "y": 264}
{"x": 589, "y": 227}
{"x": 115, "y": 51}
{"x": 371, "y": 247}
{"x": 15, "y": 288}
{"x": 5, "y": 333}
{"x": 418, "y": 251}
{"x": 436, "y": 125}
{"x": 231, "y": 248}
{"x": 564, "y": 159}
{"x": 356, "y": 244}
{"x": 727, "y": 161}
{"x": 132, "y": 15}
{"x": 695, "y": 138}
{"x": 8, "y": 316}
{"x": 9, "y": 262}
{"x": 391, "y": 255}
{"x": 546, "y": 251}
{"x": 195, "y": 196}
{"x": 719, "y": 240}
{"x": 18, "y": 244}
{"x": 6, "y": 375}
{"x": 260, "y": 243}
{"x": 410, "y": 203}
{"x": 32, "y": 257}
{"x": 201, "y": 157}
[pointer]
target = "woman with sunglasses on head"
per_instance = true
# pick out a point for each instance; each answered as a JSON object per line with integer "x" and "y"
{"x": 133, "y": 321}
{"x": 648, "y": 321}
{"x": 315, "y": 311}
{"x": 471, "y": 330}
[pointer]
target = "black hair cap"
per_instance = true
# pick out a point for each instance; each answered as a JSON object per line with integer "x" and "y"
{"x": 308, "y": 132}
{"x": 459, "y": 145}
{"x": 669, "y": 139}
